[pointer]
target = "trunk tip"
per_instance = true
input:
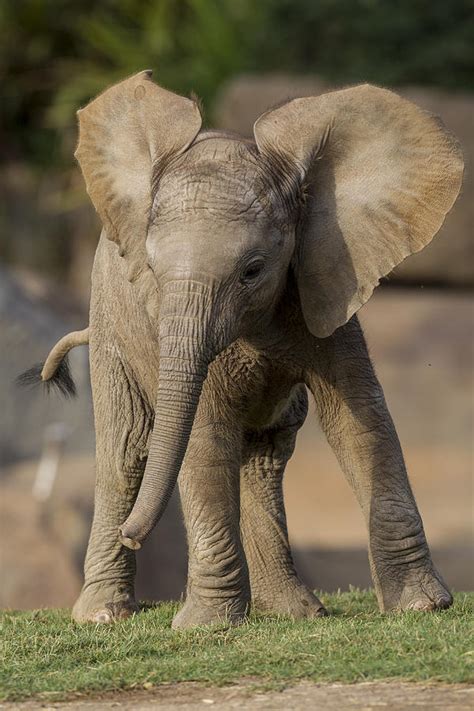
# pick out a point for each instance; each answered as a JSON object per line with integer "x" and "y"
{"x": 128, "y": 542}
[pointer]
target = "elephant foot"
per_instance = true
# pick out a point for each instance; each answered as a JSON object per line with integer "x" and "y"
{"x": 103, "y": 603}
{"x": 426, "y": 594}
{"x": 413, "y": 589}
{"x": 295, "y": 600}
{"x": 197, "y": 612}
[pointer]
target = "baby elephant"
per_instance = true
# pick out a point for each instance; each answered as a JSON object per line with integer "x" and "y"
{"x": 227, "y": 278}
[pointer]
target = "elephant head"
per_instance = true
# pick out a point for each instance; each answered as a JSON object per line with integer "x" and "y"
{"x": 339, "y": 189}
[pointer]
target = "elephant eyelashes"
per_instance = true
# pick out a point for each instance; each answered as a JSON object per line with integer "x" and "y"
{"x": 252, "y": 271}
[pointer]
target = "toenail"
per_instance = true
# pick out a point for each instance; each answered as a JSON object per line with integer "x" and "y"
{"x": 420, "y": 605}
{"x": 102, "y": 617}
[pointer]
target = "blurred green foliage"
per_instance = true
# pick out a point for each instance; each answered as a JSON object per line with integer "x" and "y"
{"x": 56, "y": 54}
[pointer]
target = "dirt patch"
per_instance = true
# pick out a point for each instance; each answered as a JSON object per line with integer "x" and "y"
{"x": 306, "y": 695}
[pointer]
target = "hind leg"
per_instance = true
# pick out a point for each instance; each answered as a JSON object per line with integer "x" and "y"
{"x": 122, "y": 422}
{"x": 275, "y": 586}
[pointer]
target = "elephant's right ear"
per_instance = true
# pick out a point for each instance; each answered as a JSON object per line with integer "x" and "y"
{"x": 124, "y": 134}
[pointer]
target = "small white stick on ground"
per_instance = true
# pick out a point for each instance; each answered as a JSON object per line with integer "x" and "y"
{"x": 54, "y": 438}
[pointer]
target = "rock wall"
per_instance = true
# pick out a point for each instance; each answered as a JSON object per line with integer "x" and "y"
{"x": 32, "y": 320}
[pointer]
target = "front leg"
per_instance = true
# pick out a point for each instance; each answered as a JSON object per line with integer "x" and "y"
{"x": 358, "y": 426}
{"x": 218, "y": 586}
{"x": 274, "y": 582}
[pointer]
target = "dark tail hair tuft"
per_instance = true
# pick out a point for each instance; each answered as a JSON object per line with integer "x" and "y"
{"x": 61, "y": 381}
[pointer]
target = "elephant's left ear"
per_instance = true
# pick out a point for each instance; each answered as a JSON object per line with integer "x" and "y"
{"x": 381, "y": 175}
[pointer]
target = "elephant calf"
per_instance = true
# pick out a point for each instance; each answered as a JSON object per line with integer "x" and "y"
{"x": 227, "y": 278}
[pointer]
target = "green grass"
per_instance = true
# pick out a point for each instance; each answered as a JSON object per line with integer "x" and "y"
{"x": 45, "y": 654}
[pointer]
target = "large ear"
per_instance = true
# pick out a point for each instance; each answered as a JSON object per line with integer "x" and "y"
{"x": 380, "y": 175}
{"x": 124, "y": 136}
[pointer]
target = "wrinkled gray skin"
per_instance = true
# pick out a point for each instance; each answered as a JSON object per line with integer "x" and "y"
{"x": 199, "y": 366}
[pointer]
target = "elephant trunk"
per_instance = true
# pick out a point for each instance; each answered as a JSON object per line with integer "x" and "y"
{"x": 184, "y": 359}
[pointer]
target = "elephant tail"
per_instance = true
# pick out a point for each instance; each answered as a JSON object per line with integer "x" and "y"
{"x": 55, "y": 372}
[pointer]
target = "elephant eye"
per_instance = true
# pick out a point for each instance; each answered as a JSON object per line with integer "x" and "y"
{"x": 252, "y": 271}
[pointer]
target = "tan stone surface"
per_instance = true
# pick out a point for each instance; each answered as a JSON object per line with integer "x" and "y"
{"x": 422, "y": 345}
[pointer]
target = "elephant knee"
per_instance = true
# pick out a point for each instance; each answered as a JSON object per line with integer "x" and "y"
{"x": 211, "y": 445}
